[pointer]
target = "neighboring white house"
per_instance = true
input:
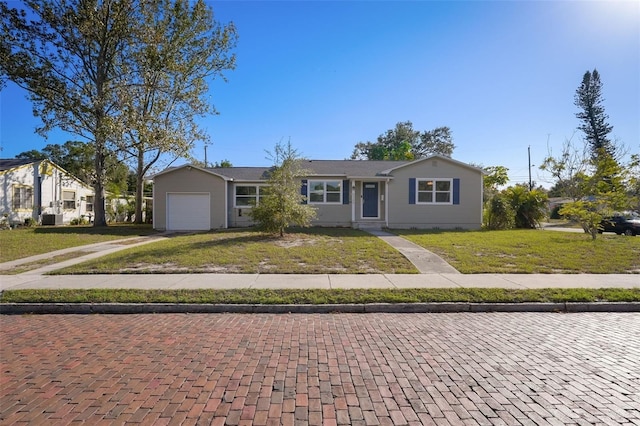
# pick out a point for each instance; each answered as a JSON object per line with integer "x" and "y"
{"x": 43, "y": 192}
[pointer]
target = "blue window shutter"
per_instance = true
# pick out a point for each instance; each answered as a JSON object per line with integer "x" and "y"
{"x": 456, "y": 191}
{"x": 345, "y": 191}
{"x": 412, "y": 190}
{"x": 303, "y": 190}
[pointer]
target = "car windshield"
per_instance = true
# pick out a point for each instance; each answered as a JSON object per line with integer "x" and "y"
{"x": 631, "y": 215}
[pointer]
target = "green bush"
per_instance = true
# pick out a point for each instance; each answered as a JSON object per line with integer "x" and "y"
{"x": 79, "y": 221}
{"x": 499, "y": 214}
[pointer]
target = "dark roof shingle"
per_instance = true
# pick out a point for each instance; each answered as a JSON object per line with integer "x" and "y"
{"x": 345, "y": 168}
{"x": 10, "y": 163}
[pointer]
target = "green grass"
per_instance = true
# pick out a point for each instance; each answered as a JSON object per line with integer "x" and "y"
{"x": 308, "y": 251}
{"x": 531, "y": 251}
{"x": 320, "y": 296}
{"x": 24, "y": 242}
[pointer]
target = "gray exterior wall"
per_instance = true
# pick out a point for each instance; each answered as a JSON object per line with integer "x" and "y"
{"x": 329, "y": 214}
{"x": 467, "y": 214}
{"x": 326, "y": 214}
{"x": 189, "y": 180}
{"x": 394, "y": 206}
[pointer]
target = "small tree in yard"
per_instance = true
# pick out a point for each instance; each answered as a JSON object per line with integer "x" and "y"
{"x": 281, "y": 204}
{"x": 604, "y": 192}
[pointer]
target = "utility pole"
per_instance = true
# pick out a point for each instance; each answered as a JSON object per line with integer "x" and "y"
{"x": 205, "y": 156}
{"x": 529, "y": 152}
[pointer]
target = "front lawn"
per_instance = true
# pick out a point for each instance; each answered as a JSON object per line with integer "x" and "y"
{"x": 24, "y": 242}
{"x": 531, "y": 251}
{"x": 307, "y": 251}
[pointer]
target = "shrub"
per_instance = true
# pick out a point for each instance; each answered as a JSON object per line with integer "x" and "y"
{"x": 499, "y": 214}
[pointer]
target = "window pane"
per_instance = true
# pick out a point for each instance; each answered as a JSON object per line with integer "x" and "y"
{"x": 245, "y": 201}
{"x": 16, "y": 199}
{"x": 333, "y": 186}
{"x": 316, "y": 197}
{"x": 68, "y": 200}
{"x": 333, "y": 197}
{"x": 443, "y": 185}
{"x": 316, "y": 186}
{"x": 425, "y": 197}
{"x": 442, "y": 197}
{"x": 245, "y": 190}
{"x": 28, "y": 198}
{"x": 425, "y": 185}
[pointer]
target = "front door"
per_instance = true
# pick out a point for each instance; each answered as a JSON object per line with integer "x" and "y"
{"x": 370, "y": 199}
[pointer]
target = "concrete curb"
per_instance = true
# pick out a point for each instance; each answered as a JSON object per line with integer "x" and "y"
{"x": 188, "y": 308}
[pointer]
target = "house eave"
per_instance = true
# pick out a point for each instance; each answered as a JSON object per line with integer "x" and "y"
{"x": 190, "y": 167}
{"x": 434, "y": 157}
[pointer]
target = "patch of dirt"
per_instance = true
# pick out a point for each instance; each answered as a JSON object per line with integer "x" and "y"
{"x": 294, "y": 242}
{"x": 132, "y": 241}
{"x": 510, "y": 256}
{"x": 169, "y": 268}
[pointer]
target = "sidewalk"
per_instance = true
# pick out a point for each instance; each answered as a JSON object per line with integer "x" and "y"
{"x": 319, "y": 281}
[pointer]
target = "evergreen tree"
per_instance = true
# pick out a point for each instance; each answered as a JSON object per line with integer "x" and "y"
{"x": 592, "y": 116}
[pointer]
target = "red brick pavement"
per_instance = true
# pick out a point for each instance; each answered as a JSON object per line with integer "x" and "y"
{"x": 359, "y": 369}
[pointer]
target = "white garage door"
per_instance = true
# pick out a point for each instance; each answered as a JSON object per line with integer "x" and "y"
{"x": 188, "y": 212}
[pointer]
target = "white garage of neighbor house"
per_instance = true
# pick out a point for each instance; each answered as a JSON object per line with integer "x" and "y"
{"x": 433, "y": 192}
{"x": 43, "y": 192}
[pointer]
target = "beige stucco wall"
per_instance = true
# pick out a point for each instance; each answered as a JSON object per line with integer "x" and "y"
{"x": 466, "y": 215}
{"x": 186, "y": 180}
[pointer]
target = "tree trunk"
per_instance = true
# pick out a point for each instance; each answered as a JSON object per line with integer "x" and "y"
{"x": 139, "y": 188}
{"x": 99, "y": 206}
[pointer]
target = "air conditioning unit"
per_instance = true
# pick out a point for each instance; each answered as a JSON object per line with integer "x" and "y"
{"x": 52, "y": 219}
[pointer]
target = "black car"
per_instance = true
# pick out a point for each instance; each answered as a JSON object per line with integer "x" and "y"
{"x": 627, "y": 223}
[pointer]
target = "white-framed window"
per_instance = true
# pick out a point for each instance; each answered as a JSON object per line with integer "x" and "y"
{"x": 69, "y": 200}
{"x": 434, "y": 191}
{"x": 325, "y": 191}
{"x": 89, "y": 206}
{"x": 22, "y": 197}
{"x": 248, "y": 195}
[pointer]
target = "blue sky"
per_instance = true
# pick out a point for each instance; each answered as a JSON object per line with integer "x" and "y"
{"x": 326, "y": 75}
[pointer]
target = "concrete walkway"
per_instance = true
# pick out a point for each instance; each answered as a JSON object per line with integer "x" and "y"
{"x": 93, "y": 251}
{"x": 424, "y": 260}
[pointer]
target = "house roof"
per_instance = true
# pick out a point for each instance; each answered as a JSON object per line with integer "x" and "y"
{"x": 342, "y": 168}
{"x": 337, "y": 168}
{"x": 12, "y": 163}
{"x": 7, "y": 164}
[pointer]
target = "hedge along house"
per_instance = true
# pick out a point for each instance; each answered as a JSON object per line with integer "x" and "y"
{"x": 433, "y": 192}
{"x": 43, "y": 192}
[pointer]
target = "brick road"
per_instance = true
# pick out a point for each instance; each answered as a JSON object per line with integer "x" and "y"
{"x": 360, "y": 369}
